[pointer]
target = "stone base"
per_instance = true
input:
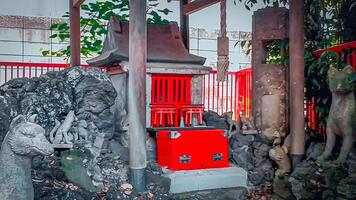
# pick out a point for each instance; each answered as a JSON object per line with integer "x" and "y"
{"x": 206, "y": 179}
{"x": 62, "y": 146}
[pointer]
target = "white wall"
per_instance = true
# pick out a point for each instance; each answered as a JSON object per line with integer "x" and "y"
{"x": 45, "y": 8}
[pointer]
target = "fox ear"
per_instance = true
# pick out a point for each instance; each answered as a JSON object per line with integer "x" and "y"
{"x": 332, "y": 70}
{"x": 348, "y": 69}
{"x": 17, "y": 120}
{"x": 32, "y": 118}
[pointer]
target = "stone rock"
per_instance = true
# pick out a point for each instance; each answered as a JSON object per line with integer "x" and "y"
{"x": 100, "y": 142}
{"x": 88, "y": 92}
{"x": 281, "y": 189}
{"x": 212, "y": 118}
{"x": 241, "y": 150}
{"x": 304, "y": 181}
{"x": 220, "y": 194}
{"x": 4, "y": 118}
{"x": 126, "y": 188}
{"x": 158, "y": 184}
{"x": 346, "y": 188}
{"x": 263, "y": 171}
{"x": 314, "y": 150}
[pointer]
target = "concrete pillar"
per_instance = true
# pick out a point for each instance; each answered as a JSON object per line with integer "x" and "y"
{"x": 296, "y": 75}
{"x": 137, "y": 94}
{"x": 196, "y": 92}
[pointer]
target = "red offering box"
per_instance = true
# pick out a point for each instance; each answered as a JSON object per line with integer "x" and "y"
{"x": 191, "y": 148}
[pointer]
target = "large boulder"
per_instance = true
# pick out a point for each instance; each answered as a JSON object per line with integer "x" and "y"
{"x": 86, "y": 91}
{"x": 212, "y": 118}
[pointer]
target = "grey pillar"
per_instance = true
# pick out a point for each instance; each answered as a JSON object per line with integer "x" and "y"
{"x": 137, "y": 94}
{"x": 296, "y": 75}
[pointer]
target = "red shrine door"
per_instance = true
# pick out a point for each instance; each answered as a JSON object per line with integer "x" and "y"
{"x": 168, "y": 94}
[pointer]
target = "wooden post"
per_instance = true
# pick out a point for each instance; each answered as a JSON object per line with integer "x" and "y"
{"x": 137, "y": 94}
{"x": 74, "y": 33}
{"x": 184, "y": 24}
{"x": 296, "y": 75}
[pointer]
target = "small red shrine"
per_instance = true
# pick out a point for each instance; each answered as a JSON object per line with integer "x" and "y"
{"x": 174, "y": 78}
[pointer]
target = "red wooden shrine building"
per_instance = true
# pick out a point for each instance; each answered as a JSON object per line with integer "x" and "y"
{"x": 174, "y": 80}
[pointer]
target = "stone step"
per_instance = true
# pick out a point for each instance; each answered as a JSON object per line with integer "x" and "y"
{"x": 206, "y": 179}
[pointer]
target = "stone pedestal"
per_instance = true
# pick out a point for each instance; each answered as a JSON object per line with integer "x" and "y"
{"x": 206, "y": 179}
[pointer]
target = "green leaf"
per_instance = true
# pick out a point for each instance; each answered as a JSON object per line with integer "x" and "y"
{"x": 53, "y": 36}
{"x": 53, "y": 26}
{"x": 45, "y": 53}
{"x": 165, "y": 11}
{"x": 97, "y": 43}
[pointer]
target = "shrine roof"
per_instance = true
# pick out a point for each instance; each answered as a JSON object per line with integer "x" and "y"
{"x": 164, "y": 45}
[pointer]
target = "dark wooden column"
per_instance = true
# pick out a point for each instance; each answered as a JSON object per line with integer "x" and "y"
{"x": 137, "y": 93}
{"x": 74, "y": 6}
{"x": 296, "y": 74}
{"x": 184, "y": 23}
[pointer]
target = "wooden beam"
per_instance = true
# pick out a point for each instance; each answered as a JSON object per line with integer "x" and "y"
{"x": 74, "y": 34}
{"x": 184, "y": 24}
{"x": 198, "y": 5}
{"x": 296, "y": 79}
{"x": 137, "y": 94}
{"x": 77, "y": 3}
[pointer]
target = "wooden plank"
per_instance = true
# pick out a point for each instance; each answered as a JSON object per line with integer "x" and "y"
{"x": 77, "y": 3}
{"x": 198, "y": 5}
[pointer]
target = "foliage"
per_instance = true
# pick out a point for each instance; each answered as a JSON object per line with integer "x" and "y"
{"x": 327, "y": 23}
{"x": 277, "y": 52}
{"x": 93, "y": 25}
{"x": 275, "y": 3}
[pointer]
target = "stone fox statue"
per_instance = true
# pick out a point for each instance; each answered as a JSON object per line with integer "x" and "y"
{"x": 342, "y": 116}
{"x": 24, "y": 140}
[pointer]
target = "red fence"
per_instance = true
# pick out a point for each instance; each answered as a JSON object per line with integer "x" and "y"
{"x": 234, "y": 94}
{"x": 345, "y": 51}
{"x": 12, "y": 70}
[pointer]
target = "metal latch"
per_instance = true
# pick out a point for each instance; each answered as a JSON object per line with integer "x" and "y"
{"x": 184, "y": 158}
{"x": 174, "y": 134}
{"x": 217, "y": 156}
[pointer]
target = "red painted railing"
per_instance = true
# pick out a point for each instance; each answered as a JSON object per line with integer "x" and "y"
{"x": 346, "y": 51}
{"x": 12, "y": 70}
{"x": 234, "y": 94}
